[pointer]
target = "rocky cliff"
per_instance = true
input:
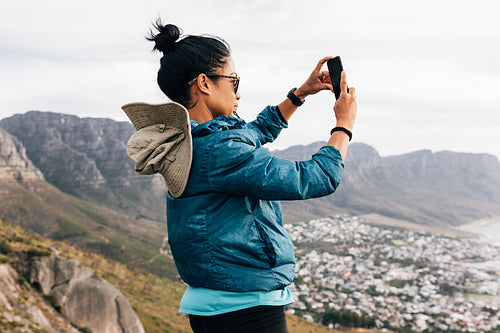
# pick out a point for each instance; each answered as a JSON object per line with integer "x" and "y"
{"x": 445, "y": 188}
{"x": 87, "y": 157}
{"x": 14, "y": 163}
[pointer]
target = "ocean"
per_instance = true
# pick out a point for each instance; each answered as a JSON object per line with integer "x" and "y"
{"x": 491, "y": 232}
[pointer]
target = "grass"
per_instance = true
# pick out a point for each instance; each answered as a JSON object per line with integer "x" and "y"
{"x": 398, "y": 242}
{"x": 478, "y": 296}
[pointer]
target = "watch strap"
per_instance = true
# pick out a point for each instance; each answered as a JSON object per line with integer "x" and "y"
{"x": 295, "y": 100}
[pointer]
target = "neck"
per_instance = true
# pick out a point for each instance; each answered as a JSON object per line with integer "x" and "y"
{"x": 200, "y": 113}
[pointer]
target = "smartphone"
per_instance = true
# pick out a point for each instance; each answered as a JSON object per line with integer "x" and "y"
{"x": 335, "y": 68}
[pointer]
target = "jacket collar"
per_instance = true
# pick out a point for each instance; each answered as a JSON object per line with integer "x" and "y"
{"x": 218, "y": 124}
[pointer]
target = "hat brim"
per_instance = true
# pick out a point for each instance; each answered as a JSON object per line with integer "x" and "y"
{"x": 173, "y": 115}
{"x": 143, "y": 114}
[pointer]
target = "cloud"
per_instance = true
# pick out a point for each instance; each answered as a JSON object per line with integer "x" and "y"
{"x": 424, "y": 70}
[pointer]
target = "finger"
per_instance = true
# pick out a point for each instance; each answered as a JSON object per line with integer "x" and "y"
{"x": 352, "y": 91}
{"x": 343, "y": 82}
{"x": 327, "y": 86}
{"x": 322, "y": 62}
{"x": 325, "y": 77}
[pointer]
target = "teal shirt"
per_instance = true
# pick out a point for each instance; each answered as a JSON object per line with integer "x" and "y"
{"x": 210, "y": 302}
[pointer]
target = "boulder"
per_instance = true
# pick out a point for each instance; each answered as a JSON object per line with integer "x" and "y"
{"x": 88, "y": 301}
{"x": 23, "y": 310}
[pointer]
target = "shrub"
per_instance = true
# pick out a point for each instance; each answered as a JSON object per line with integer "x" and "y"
{"x": 5, "y": 248}
{"x": 85, "y": 330}
{"x": 34, "y": 253}
{"x": 50, "y": 298}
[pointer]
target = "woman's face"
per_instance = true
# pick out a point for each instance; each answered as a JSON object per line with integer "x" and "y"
{"x": 224, "y": 100}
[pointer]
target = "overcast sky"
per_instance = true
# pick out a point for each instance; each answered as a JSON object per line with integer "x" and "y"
{"x": 427, "y": 73}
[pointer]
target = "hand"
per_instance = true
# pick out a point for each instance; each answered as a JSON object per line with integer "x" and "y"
{"x": 318, "y": 80}
{"x": 346, "y": 107}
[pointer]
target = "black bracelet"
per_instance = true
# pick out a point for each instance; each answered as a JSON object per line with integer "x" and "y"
{"x": 343, "y": 129}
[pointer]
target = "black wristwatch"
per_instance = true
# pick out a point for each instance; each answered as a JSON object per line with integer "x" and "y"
{"x": 295, "y": 100}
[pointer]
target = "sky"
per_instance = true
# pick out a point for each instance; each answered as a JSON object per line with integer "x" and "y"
{"x": 427, "y": 73}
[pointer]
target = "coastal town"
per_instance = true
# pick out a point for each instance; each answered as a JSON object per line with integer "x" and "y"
{"x": 402, "y": 280}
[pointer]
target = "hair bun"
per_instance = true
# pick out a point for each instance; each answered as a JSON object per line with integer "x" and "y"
{"x": 166, "y": 36}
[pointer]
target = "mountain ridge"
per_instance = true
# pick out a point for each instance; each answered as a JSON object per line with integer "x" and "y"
{"x": 86, "y": 157}
{"x": 445, "y": 188}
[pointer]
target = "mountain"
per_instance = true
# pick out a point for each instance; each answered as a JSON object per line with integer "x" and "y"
{"x": 443, "y": 188}
{"x": 86, "y": 157}
{"x": 27, "y": 200}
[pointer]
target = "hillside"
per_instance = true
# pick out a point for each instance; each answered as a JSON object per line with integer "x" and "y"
{"x": 26, "y": 199}
{"x": 154, "y": 299}
{"x": 41, "y": 207}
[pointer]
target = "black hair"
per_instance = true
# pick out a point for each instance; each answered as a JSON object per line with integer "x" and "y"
{"x": 184, "y": 58}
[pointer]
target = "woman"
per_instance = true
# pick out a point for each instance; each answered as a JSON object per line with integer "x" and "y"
{"x": 224, "y": 221}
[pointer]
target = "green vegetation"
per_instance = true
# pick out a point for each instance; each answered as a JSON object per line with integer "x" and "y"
{"x": 35, "y": 253}
{"x": 346, "y": 318}
{"x": 397, "y": 283}
{"x": 5, "y": 247}
{"x": 51, "y": 299}
{"x": 67, "y": 229}
{"x": 448, "y": 289}
{"x": 127, "y": 239}
{"x": 398, "y": 242}
{"x": 85, "y": 330}
{"x": 478, "y": 296}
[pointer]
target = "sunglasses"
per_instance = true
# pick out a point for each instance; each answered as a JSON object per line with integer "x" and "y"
{"x": 235, "y": 78}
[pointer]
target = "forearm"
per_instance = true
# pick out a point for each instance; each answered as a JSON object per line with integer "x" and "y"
{"x": 287, "y": 108}
{"x": 339, "y": 140}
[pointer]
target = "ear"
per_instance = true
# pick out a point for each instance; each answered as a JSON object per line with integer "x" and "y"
{"x": 204, "y": 84}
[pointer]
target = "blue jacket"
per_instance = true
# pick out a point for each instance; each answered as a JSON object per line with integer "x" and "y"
{"x": 226, "y": 230}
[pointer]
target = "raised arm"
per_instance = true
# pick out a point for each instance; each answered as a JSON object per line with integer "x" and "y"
{"x": 345, "y": 107}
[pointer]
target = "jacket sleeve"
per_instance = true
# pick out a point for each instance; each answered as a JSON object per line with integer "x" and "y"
{"x": 238, "y": 167}
{"x": 268, "y": 125}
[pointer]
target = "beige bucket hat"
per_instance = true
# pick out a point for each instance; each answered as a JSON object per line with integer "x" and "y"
{"x": 162, "y": 143}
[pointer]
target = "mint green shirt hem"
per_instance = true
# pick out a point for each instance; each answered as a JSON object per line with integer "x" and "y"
{"x": 209, "y": 302}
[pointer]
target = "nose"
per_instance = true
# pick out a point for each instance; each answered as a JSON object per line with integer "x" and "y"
{"x": 238, "y": 96}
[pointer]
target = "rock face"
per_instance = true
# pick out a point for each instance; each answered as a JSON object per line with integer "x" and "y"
{"x": 87, "y": 300}
{"x": 73, "y": 152}
{"x": 25, "y": 311}
{"x": 86, "y": 157}
{"x": 444, "y": 188}
{"x": 14, "y": 163}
